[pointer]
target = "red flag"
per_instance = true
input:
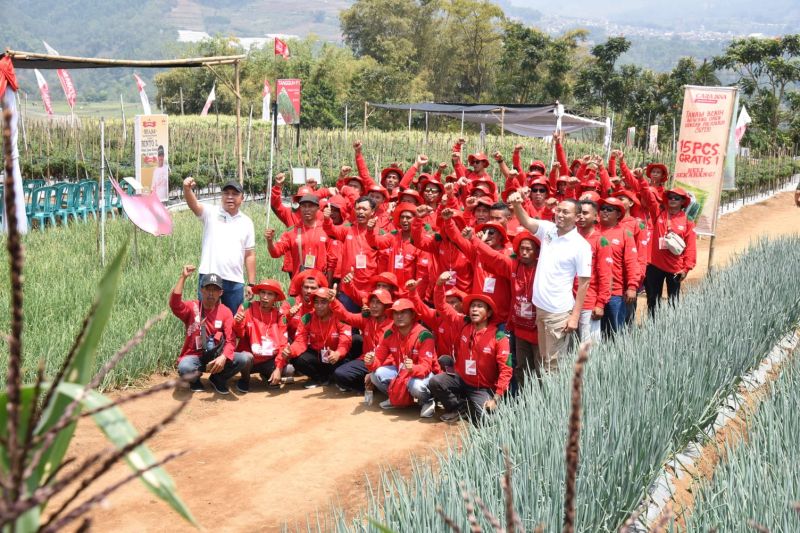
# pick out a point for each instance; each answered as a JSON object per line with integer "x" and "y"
{"x": 211, "y": 97}
{"x": 143, "y": 95}
{"x": 281, "y": 48}
{"x": 65, "y": 79}
{"x": 45, "y": 92}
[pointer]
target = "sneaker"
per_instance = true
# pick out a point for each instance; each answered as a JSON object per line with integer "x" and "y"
{"x": 341, "y": 389}
{"x": 386, "y": 404}
{"x": 219, "y": 384}
{"x": 427, "y": 409}
{"x": 311, "y": 385}
{"x": 197, "y": 386}
{"x": 450, "y": 416}
{"x": 243, "y": 386}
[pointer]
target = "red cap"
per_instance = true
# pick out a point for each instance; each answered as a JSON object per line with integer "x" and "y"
{"x": 322, "y": 292}
{"x": 537, "y": 164}
{"x": 457, "y": 293}
{"x": 380, "y": 189}
{"x": 495, "y": 226}
{"x": 680, "y": 192}
{"x": 382, "y": 295}
{"x": 384, "y": 277}
{"x": 590, "y": 195}
{"x": 662, "y": 166}
{"x": 592, "y": 185}
{"x": 479, "y": 156}
{"x": 483, "y": 200}
{"x": 429, "y": 180}
{"x": 480, "y": 298}
{"x": 270, "y": 285}
{"x": 302, "y": 191}
{"x": 524, "y": 236}
{"x": 394, "y": 167}
{"x": 614, "y": 202}
{"x": 404, "y": 304}
{"x": 405, "y": 206}
{"x": 630, "y": 195}
{"x": 297, "y": 282}
{"x": 412, "y": 193}
{"x": 488, "y": 182}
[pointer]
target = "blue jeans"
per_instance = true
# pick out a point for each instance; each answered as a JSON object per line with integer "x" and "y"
{"x": 232, "y": 294}
{"x": 417, "y": 387}
{"x": 383, "y": 376}
{"x": 193, "y": 363}
{"x": 614, "y": 315}
{"x": 348, "y": 302}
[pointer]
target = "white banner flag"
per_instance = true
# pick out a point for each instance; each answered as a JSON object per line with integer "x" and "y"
{"x": 44, "y": 91}
{"x": 65, "y": 79}
{"x": 741, "y": 124}
{"x": 143, "y": 95}
{"x": 211, "y": 97}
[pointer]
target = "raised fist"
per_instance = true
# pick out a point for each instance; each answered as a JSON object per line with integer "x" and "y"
{"x": 280, "y": 178}
{"x": 189, "y": 182}
{"x": 269, "y": 234}
{"x": 357, "y": 146}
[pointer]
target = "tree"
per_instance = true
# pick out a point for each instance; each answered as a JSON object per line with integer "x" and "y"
{"x": 767, "y": 68}
{"x": 599, "y": 82}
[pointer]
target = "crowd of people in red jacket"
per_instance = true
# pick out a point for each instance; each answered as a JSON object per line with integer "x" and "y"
{"x": 437, "y": 289}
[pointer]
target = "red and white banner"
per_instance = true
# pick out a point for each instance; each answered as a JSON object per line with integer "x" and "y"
{"x": 65, "y": 79}
{"x": 630, "y": 137}
{"x": 145, "y": 211}
{"x": 266, "y": 97}
{"x": 741, "y": 124}
{"x": 702, "y": 144}
{"x": 44, "y": 91}
{"x": 281, "y": 48}
{"x": 288, "y": 95}
{"x": 211, "y": 97}
{"x": 143, "y": 95}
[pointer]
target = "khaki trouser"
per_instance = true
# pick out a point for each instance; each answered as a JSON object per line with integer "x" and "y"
{"x": 552, "y": 339}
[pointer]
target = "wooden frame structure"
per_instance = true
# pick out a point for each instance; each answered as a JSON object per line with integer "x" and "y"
{"x": 29, "y": 60}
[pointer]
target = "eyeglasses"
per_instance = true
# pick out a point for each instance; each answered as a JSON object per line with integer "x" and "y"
{"x": 608, "y": 208}
{"x": 537, "y": 189}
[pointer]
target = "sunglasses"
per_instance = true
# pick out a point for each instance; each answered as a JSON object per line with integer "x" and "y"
{"x": 537, "y": 189}
{"x": 674, "y": 197}
{"x": 608, "y": 208}
{"x": 490, "y": 231}
{"x": 431, "y": 189}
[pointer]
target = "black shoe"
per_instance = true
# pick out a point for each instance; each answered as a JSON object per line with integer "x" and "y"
{"x": 243, "y": 385}
{"x": 219, "y": 384}
{"x": 197, "y": 386}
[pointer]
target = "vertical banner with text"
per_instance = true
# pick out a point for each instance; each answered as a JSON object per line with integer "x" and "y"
{"x": 151, "y": 141}
{"x": 288, "y": 95}
{"x": 630, "y": 137}
{"x": 652, "y": 146}
{"x": 702, "y": 144}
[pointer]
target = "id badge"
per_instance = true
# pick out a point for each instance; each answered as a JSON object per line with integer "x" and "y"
{"x": 398, "y": 261}
{"x": 267, "y": 347}
{"x": 197, "y": 342}
{"x": 310, "y": 261}
{"x": 453, "y": 278}
{"x": 662, "y": 243}
{"x": 323, "y": 354}
{"x": 361, "y": 261}
{"x": 488, "y": 285}
{"x": 217, "y": 324}
{"x": 526, "y": 310}
{"x": 471, "y": 367}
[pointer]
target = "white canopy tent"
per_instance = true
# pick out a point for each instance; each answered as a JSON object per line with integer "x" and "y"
{"x": 529, "y": 120}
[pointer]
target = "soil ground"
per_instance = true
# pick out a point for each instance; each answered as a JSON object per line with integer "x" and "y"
{"x": 269, "y": 458}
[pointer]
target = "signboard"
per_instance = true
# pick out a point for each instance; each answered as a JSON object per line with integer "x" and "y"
{"x": 630, "y": 137}
{"x": 301, "y": 175}
{"x": 652, "y": 146}
{"x": 288, "y": 95}
{"x": 702, "y": 144}
{"x": 151, "y": 136}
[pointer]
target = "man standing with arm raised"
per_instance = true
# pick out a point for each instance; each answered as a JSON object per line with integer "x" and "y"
{"x": 228, "y": 241}
{"x": 564, "y": 255}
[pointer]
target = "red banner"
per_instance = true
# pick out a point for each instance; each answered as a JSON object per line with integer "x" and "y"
{"x": 289, "y": 100}
{"x": 44, "y": 91}
{"x": 281, "y": 48}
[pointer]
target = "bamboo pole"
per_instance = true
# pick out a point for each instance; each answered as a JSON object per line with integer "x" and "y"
{"x": 238, "y": 124}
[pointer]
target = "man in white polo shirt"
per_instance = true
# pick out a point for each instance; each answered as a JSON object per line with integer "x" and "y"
{"x": 564, "y": 255}
{"x": 228, "y": 242}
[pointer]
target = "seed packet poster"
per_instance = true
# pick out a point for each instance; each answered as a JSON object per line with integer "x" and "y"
{"x": 289, "y": 100}
{"x": 151, "y": 140}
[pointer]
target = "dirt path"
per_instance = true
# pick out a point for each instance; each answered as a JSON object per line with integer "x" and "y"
{"x": 259, "y": 461}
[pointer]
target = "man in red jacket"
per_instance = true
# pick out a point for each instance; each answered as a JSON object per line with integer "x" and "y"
{"x": 261, "y": 330}
{"x": 406, "y": 353}
{"x": 519, "y": 270}
{"x": 321, "y": 344}
{"x": 357, "y": 254}
{"x": 599, "y": 291}
{"x": 624, "y": 265}
{"x": 482, "y": 369}
{"x": 208, "y": 343}
{"x": 668, "y": 262}
{"x": 396, "y": 254}
{"x": 306, "y": 243}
